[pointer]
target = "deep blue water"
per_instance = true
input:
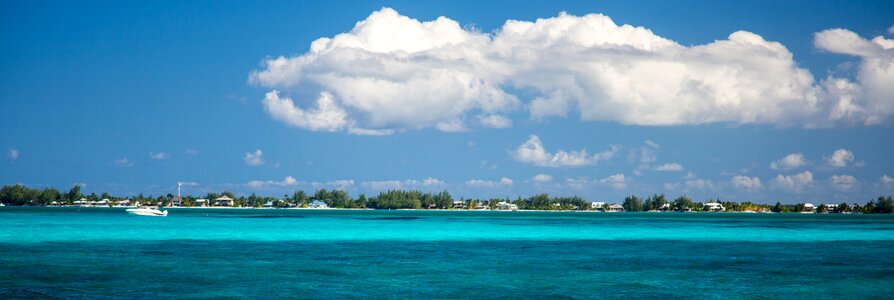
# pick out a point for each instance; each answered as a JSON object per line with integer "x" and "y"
{"x": 193, "y": 253}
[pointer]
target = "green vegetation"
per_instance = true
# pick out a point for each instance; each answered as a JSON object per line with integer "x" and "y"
{"x": 19, "y": 195}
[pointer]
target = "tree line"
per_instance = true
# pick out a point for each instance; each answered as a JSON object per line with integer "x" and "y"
{"x": 413, "y": 199}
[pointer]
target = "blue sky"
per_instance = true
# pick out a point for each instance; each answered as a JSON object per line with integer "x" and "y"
{"x": 132, "y": 97}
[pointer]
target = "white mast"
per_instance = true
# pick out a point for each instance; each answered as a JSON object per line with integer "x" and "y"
{"x": 178, "y": 189}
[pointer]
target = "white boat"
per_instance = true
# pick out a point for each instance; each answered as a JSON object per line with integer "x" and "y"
{"x": 148, "y": 211}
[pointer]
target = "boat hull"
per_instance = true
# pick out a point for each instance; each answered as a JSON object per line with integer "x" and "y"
{"x": 147, "y": 212}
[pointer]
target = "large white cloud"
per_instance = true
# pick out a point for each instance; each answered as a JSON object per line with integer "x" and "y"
{"x": 869, "y": 100}
{"x": 327, "y": 116}
{"x": 393, "y": 72}
{"x": 533, "y": 152}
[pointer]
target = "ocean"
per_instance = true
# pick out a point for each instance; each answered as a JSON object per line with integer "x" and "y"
{"x": 265, "y": 253}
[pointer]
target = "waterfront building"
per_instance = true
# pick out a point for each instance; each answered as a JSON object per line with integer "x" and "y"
{"x": 223, "y": 201}
{"x": 714, "y": 207}
{"x": 615, "y": 208}
{"x": 317, "y": 204}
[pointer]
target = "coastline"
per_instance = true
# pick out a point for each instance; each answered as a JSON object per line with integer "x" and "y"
{"x": 439, "y": 210}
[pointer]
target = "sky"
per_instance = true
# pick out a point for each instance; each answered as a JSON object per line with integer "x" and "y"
{"x": 763, "y": 101}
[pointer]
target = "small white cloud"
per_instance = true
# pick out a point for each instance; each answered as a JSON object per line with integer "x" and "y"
{"x": 374, "y": 132}
{"x": 746, "y": 183}
{"x": 452, "y": 126}
{"x": 382, "y": 185}
{"x": 12, "y": 154}
{"x": 672, "y": 167}
{"x": 189, "y": 183}
{"x": 886, "y": 180}
{"x": 191, "y": 151}
{"x": 699, "y": 184}
{"x": 123, "y": 162}
{"x": 791, "y": 161}
{"x": 495, "y": 121}
{"x": 840, "y": 158}
{"x": 343, "y": 184}
{"x": 479, "y": 183}
{"x": 669, "y": 186}
{"x": 795, "y": 182}
{"x": 159, "y": 155}
{"x": 533, "y": 152}
{"x": 616, "y": 181}
{"x": 645, "y": 154}
{"x": 257, "y": 184}
{"x": 577, "y": 183}
{"x": 432, "y": 182}
{"x": 505, "y": 181}
{"x": 542, "y": 178}
{"x": 254, "y": 159}
{"x": 843, "y": 182}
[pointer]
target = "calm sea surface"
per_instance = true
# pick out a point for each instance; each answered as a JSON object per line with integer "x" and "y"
{"x": 202, "y": 253}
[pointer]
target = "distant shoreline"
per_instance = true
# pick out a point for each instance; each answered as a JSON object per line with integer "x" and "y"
{"x": 430, "y": 210}
{"x": 20, "y": 195}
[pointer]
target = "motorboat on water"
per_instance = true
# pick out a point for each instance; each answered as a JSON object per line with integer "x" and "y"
{"x": 147, "y": 211}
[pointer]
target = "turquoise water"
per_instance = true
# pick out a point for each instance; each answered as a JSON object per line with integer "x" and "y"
{"x": 201, "y": 253}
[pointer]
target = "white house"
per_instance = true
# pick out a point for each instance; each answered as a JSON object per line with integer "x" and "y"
{"x": 459, "y": 204}
{"x": 596, "y": 205}
{"x": 615, "y": 208}
{"x": 809, "y": 208}
{"x": 714, "y": 207}
{"x": 223, "y": 201}
{"x": 664, "y": 207}
{"x": 317, "y": 204}
{"x": 201, "y": 202}
{"x": 123, "y": 203}
{"x": 831, "y": 207}
{"x": 177, "y": 201}
{"x": 503, "y": 205}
